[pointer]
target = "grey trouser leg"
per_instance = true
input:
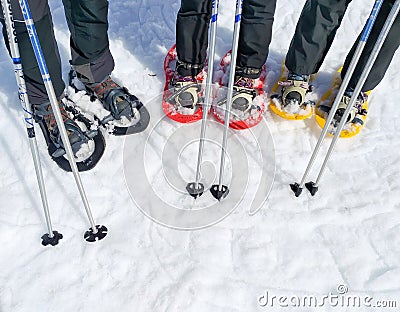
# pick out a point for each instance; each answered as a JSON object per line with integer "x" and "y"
{"x": 315, "y": 31}
{"x": 36, "y": 90}
{"x": 385, "y": 55}
{"x": 255, "y": 35}
{"x": 88, "y": 25}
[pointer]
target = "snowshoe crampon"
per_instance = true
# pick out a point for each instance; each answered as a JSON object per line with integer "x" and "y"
{"x": 323, "y": 107}
{"x": 89, "y": 153}
{"x": 239, "y": 119}
{"x": 290, "y": 111}
{"x": 169, "y": 105}
{"x": 132, "y": 118}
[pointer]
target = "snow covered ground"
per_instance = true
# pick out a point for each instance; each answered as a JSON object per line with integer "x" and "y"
{"x": 348, "y": 235}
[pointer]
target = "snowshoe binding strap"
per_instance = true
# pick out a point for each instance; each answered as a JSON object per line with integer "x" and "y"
{"x": 186, "y": 94}
{"x": 294, "y": 91}
{"x": 187, "y": 69}
{"x": 356, "y": 111}
{"x": 127, "y": 114}
{"x": 244, "y": 94}
{"x": 186, "y": 91}
{"x": 247, "y": 72}
{"x": 115, "y": 98}
{"x": 185, "y": 84}
{"x": 75, "y": 134}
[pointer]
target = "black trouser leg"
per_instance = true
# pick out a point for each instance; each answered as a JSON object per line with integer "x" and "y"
{"x": 315, "y": 31}
{"x": 35, "y": 87}
{"x": 88, "y": 23}
{"x": 255, "y": 34}
{"x": 385, "y": 55}
{"x": 192, "y": 26}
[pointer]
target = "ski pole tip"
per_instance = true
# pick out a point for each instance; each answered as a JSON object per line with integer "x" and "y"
{"x": 312, "y": 187}
{"x": 53, "y": 241}
{"x": 219, "y": 194}
{"x": 92, "y": 236}
{"x": 195, "y": 189}
{"x": 296, "y": 189}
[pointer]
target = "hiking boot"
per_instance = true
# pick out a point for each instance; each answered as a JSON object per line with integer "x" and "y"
{"x": 116, "y": 99}
{"x": 186, "y": 89}
{"x": 294, "y": 90}
{"x": 45, "y": 116}
{"x": 243, "y": 94}
{"x": 356, "y": 112}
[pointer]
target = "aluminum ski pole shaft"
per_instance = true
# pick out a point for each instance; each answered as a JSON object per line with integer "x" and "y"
{"x": 52, "y": 237}
{"x": 57, "y": 114}
{"x": 221, "y": 190}
{"x": 297, "y": 188}
{"x": 363, "y": 77}
{"x": 196, "y": 189}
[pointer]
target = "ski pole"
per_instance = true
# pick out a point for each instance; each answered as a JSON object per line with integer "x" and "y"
{"x": 51, "y": 237}
{"x": 296, "y": 187}
{"x": 95, "y": 231}
{"x": 220, "y": 191}
{"x": 311, "y": 186}
{"x": 196, "y": 188}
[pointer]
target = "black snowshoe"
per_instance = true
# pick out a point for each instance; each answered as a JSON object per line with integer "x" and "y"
{"x": 127, "y": 115}
{"x": 87, "y": 143}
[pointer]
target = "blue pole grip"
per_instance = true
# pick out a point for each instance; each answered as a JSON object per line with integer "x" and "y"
{"x": 30, "y": 26}
{"x": 371, "y": 20}
{"x": 215, "y": 4}
{"x": 238, "y": 16}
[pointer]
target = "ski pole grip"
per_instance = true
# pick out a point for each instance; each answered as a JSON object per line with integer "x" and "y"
{"x": 371, "y": 20}
{"x": 214, "y": 16}
{"x": 238, "y": 14}
{"x": 30, "y": 26}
